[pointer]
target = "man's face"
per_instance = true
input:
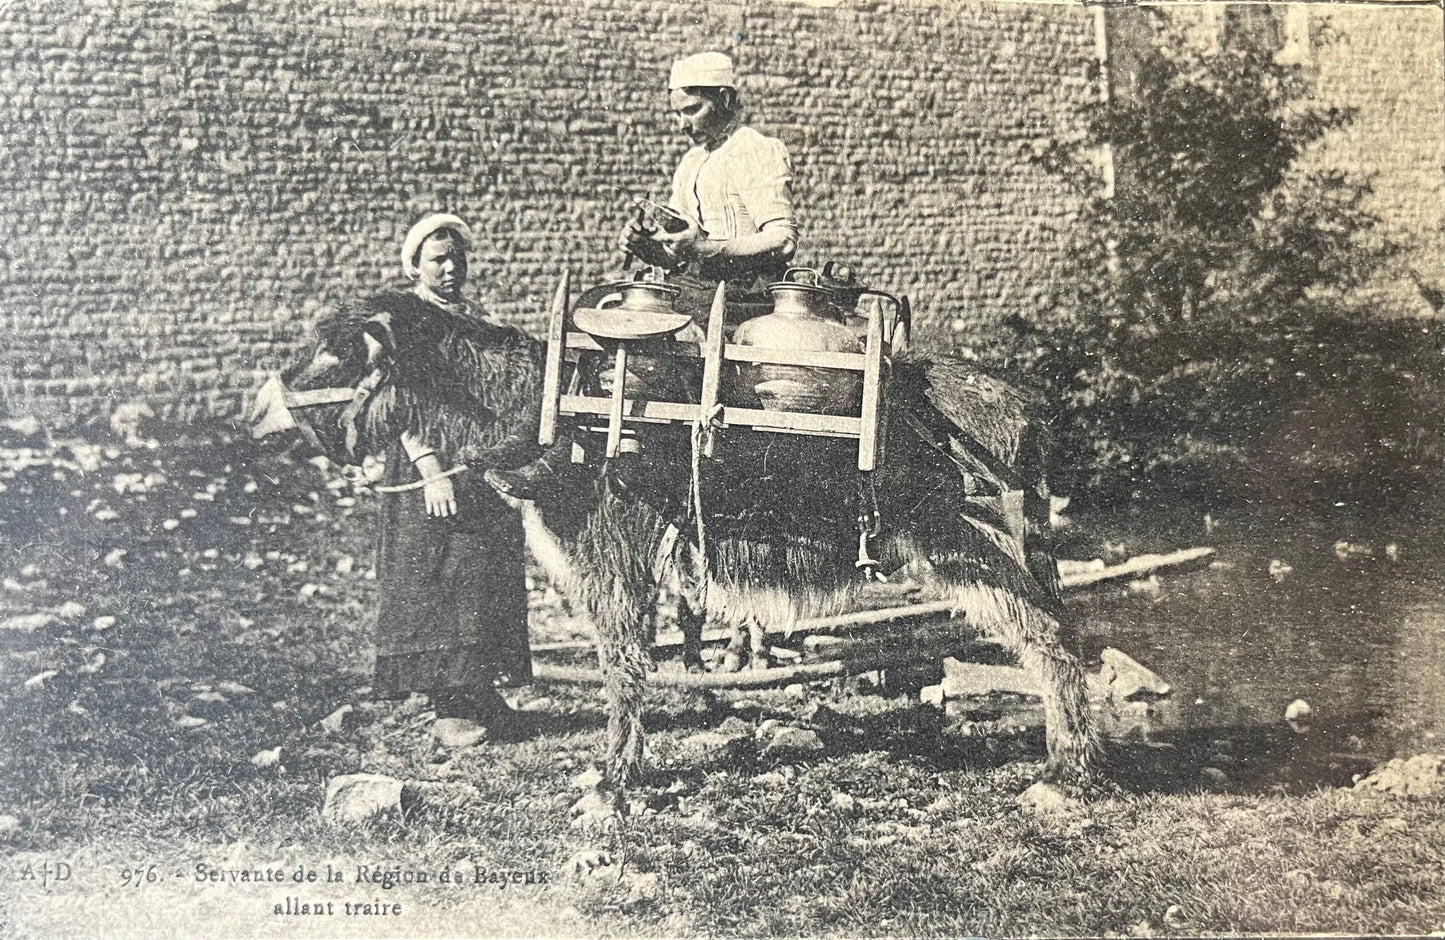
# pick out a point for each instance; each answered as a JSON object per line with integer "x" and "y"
{"x": 442, "y": 267}
{"x": 698, "y": 117}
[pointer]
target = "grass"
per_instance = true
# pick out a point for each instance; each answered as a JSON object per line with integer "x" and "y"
{"x": 900, "y": 826}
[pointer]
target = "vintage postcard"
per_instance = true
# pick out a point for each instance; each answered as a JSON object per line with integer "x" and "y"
{"x": 472, "y": 468}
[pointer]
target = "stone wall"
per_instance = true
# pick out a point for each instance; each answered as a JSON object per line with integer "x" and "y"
{"x": 1389, "y": 65}
{"x": 187, "y": 185}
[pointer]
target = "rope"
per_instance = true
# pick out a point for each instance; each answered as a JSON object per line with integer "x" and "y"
{"x": 418, "y": 484}
{"x": 701, "y": 432}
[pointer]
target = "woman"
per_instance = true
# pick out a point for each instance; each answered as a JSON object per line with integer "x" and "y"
{"x": 452, "y": 620}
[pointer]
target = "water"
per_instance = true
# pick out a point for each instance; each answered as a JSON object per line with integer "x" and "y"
{"x": 1360, "y": 638}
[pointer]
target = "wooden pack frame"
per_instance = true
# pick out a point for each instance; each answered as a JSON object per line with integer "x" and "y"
{"x": 565, "y": 344}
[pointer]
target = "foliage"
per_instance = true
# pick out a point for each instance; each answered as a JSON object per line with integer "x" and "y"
{"x": 1205, "y": 301}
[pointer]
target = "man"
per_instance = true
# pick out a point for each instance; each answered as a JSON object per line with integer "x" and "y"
{"x": 732, "y": 220}
{"x": 731, "y": 189}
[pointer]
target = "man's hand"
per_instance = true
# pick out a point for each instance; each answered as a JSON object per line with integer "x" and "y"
{"x": 639, "y": 239}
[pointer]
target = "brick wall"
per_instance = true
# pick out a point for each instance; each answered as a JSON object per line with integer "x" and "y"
{"x": 187, "y": 185}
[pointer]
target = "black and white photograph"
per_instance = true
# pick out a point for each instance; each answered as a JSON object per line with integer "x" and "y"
{"x": 721, "y": 468}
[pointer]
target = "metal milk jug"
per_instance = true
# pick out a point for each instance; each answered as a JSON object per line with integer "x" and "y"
{"x": 804, "y": 318}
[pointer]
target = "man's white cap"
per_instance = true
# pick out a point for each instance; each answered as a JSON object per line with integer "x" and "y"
{"x": 703, "y": 70}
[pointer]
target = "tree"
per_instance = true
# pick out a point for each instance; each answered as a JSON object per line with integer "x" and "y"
{"x": 1199, "y": 294}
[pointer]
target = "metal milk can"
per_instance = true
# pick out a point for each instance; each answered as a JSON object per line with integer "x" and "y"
{"x": 804, "y": 318}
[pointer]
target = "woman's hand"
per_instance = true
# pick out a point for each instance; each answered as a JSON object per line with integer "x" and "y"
{"x": 441, "y": 498}
{"x": 684, "y": 245}
{"x": 440, "y": 495}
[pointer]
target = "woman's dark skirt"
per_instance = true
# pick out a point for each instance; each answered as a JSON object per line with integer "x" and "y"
{"x": 453, "y": 597}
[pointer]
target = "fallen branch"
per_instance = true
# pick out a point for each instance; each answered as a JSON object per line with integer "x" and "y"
{"x": 748, "y": 679}
{"x": 1138, "y": 566}
{"x": 839, "y": 623}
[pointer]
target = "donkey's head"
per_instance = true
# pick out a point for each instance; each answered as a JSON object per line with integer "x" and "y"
{"x": 323, "y": 395}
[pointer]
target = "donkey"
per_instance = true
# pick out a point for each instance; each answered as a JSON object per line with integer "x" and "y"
{"x": 780, "y": 516}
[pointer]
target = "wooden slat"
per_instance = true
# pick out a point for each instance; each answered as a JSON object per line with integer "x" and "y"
{"x": 582, "y": 341}
{"x": 799, "y": 421}
{"x": 632, "y": 408}
{"x": 675, "y": 348}
{"x": 552, "y": 373}
{"x": 795, "y": 422}
{"x": 731, "y": 352}
{"x": 1138, "y": 566}
{"x": 872, "y": 394}
{"x": 853, "y": 362}
{"x": 748, "y": 679}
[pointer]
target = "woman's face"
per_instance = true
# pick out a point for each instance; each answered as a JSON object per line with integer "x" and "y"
{"x": 442, "y": 266}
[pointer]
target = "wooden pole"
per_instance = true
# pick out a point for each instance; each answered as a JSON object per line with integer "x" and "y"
{"x": 748, "y": 679}
{"x": 552, "y": 373}
{"x": 872, "y": 393}
{"x": 614, "y": 411}
{"x": 712, "y": 363}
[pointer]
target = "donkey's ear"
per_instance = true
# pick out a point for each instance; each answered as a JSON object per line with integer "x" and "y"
{"x": 374, "y": 348}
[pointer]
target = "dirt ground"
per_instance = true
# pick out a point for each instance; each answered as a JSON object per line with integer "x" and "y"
{"x": 178, "y": 617}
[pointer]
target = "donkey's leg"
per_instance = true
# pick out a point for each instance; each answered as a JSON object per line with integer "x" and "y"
{"x": 617, "y": 548}
{"x": 760, "y": 656}
{"x": 1037, "y": 638}
{"x": 1072, "y": 740}
{"x": 735, "y": 656}
{"x": 690, "y": 602}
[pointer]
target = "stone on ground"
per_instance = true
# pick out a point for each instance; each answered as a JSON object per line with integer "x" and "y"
{"x": 458, "y": 732}
{"x": 267, "y": 758}
{"x": 594, "y": 811}
{"x": 960, "y": 679}
{"x": 708, "y": 746}
{"x": 361, "y": 797}
{"x": 794, "y": 742}
{"x": 343, "y": 719}
{"x": 589, "y": 779}
{"x": 1418, "y": 778}
{"x": 590, "y": 863}
{"x": 16, "y": 630}
{"x": 1044, "y": 798}
{"x": 1128, "y": 679}
{"x": 39, "y": 680}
